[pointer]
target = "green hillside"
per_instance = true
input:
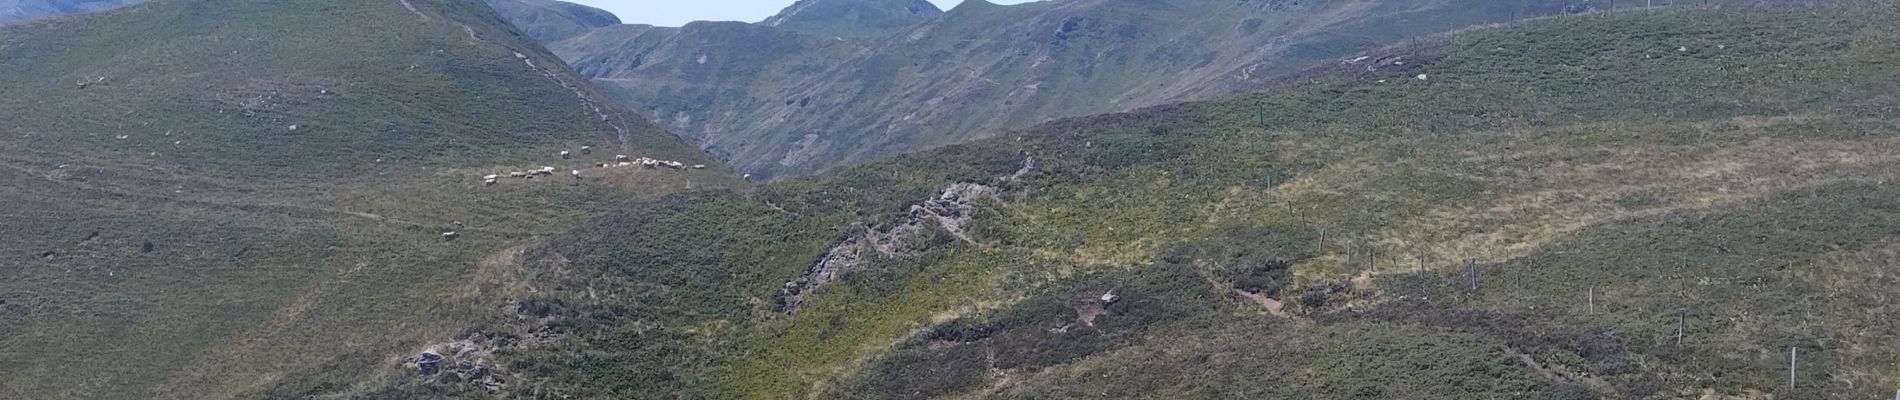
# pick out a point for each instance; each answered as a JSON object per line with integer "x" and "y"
{"x": 207, "y": 195}
{"x": 1611, "y": 178}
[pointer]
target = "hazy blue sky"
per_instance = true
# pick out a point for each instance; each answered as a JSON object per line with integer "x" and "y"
{"x": 679, "y": 12}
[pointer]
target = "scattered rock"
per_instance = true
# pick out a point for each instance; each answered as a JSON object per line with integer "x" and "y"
{"x": 466, "y": 360}
{"x": 147, "y": 247}
{"x": 428, "y": 363}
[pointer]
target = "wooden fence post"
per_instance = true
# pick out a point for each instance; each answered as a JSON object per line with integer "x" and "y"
{"x": 1372, "y": 257}
{"x": 1793, "y": 355}
{"x": 1471, "y": 270}
{"x": 1593, "y": 302}
{"x": 1682, "y": 321}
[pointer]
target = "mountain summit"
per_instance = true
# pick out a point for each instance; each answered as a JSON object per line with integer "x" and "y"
{"x": 852, "y": 17}
{"x": 548, "y": 20}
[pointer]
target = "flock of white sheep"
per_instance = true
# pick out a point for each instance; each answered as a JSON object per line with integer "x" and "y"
{"x": 621, "y": 160}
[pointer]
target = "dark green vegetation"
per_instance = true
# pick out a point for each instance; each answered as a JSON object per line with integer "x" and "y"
{"x": 1608, "y": 177}
{"x": 795, "y": 100}
{"x": 13, "y": 11}
{"x": 205, "y": 195}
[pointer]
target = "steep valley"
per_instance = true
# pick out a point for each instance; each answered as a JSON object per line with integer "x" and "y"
{"x": 402, "y": 199}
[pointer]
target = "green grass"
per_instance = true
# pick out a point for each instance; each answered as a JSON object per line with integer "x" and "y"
{"x": 273, "y": 250}
{"x": 1588, "y": 151}
{"x": 1746, "y": 276}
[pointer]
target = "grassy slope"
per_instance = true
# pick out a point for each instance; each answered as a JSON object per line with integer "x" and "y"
{"x": 1734, "y": 162}
{"x": 174, "y": 238}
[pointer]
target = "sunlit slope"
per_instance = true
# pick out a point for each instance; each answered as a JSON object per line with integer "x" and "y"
{"x": 210, "y": 194}
{"x": 1610, "y": 179}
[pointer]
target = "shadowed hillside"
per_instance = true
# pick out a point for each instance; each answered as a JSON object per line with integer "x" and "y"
{"x": 210, "y": 194}
{"x": 789, "y": 101}
{"x": 1654, "y": 204}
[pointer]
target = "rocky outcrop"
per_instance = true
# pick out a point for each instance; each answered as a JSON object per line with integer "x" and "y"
{"x": 469, "y": 359}
{"x": 465, "y": 360}
{"x": 950, "y": 213}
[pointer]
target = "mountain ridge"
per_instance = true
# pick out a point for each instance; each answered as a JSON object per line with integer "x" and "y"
{"x": 15, "y": 11}
{"x": 850, "y": 18}
{"x": 982, "y": 68}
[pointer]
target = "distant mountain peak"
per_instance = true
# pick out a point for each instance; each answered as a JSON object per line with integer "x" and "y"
{"x": 851, "y": 17}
